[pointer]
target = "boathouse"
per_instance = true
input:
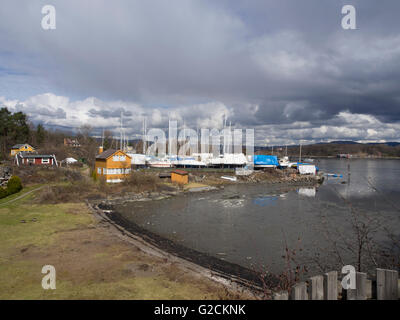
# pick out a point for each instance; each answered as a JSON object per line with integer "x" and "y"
{"x": 180, "y": 176}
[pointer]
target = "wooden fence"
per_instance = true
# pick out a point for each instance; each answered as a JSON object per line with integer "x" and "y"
{"x": 385, "y": 286}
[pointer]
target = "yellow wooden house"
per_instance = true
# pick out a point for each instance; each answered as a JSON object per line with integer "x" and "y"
{"x": 113, "y": 165}
{"x": 24, "y": 147}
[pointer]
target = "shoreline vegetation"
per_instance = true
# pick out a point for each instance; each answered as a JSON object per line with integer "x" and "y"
{"x": 54, "y": 225}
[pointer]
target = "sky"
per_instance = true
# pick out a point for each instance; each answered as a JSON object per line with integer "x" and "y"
{"x": 286, "y": 68}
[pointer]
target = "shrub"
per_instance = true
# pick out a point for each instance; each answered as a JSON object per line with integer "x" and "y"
{"x": 94, "y": 175}
{"x": 74, "y": 192}
{"x": 14, "y": 185}
{"x": 142, "y": 182}
{"x": 3, "y": 193}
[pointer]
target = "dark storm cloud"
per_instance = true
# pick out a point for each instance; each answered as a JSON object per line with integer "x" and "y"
{"x": 275, "y": 63}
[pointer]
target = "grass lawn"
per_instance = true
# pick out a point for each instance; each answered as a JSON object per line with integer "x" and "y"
{"x": 22, "y": 192}
{"x": 90, "y": 262}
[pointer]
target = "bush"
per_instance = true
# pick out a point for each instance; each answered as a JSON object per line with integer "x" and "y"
{"x": 14, "y": 185}
{"x": 3, "y": 193}
{"x": 74, "y": 192}
{"x": 142, "y": 182}
{"x": 94, "y": 175}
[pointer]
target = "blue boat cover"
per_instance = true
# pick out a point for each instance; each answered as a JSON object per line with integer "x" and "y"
{"x": 263, "y": 160}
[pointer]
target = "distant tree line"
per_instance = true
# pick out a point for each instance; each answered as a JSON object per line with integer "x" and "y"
{"x": 333, "y": 149}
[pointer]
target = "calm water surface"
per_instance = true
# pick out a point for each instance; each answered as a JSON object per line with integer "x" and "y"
{"x": 250, "y": 224}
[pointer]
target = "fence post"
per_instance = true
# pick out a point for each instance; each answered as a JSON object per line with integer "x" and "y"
{"x": 299, "y": 291}
{"x": 316, "y": 290}
{"x": 360, "y": 292}
{"x": 386, "y": 284}
{"x": 330, "y": 286}
{"x": 283, "y": 295}
{"x": 369, "y": 291}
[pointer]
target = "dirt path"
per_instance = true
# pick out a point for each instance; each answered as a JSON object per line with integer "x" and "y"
{"x": 21, "y": 196}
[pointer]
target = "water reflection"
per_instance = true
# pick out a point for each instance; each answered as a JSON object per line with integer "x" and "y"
{"x": 244, "y": 221}
{"x": 307, "y": 192}
{"x": 265, "y": 201}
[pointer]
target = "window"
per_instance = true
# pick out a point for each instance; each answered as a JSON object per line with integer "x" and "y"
{"x": 45, "y": 160}
{"x": 99, "y": 170}
{"x": 119, "y": 158}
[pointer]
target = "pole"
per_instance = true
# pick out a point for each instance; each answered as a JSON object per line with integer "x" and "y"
{"x": 300, "y": 153}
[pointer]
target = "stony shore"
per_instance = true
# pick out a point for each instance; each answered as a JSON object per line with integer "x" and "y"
{"x": 202, "y": 185}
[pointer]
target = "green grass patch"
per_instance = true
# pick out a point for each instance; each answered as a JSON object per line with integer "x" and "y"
{"x": 16, "y": 195}
{"x": 23, "y": 225}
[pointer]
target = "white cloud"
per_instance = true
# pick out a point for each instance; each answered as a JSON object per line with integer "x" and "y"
{"x": 53, "y": 110}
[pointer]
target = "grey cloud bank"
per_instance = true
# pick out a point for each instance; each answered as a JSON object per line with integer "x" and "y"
{"x": 285, "y": 68}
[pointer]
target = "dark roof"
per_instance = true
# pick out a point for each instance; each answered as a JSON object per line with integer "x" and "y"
{"x": 17, "y": 146}
{"x": 33, "y": 155}
{"x": 108, "y": 153}
{"x": 181, "y": 172}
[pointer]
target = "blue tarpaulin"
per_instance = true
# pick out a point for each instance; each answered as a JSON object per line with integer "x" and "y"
{"x": 264, "y": 160}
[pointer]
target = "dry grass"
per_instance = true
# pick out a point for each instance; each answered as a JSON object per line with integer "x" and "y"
{"x": 39, "y": 175}
{"x": 141, "y": 181}
{"x": 91, "y": 262}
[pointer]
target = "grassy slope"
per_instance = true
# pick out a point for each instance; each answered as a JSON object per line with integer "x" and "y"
{"x": 90, "y": 262}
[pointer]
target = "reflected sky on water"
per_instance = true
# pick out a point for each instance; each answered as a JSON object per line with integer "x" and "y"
{"x": 250, "y": 224}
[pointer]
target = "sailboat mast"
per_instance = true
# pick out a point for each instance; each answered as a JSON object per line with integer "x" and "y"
{"x": 300, "y": 153}
{"x": 120, "y": 131}
{"x": 144, "y": 135}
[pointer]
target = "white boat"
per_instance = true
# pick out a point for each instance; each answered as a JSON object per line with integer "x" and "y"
{"x": 138, "y": 159}
{"x": 284, "y": 162}
{"x": 229, "y": 178}
{"x": 186, "y": 162}
{"x": 307, "y": 169}
{"x": 229, "y": 159}
{"x": 160, "y": 163}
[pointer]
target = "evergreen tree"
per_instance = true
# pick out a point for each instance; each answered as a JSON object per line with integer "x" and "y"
{"x": 40, "y": 134}
{"x": 14, "y": 129}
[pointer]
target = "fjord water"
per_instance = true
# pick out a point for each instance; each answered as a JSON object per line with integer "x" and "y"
{"x": 251, "y": 224}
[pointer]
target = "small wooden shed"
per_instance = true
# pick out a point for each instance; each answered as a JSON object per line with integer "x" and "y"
{"x": 180, "y": 176}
